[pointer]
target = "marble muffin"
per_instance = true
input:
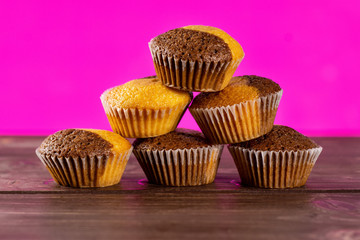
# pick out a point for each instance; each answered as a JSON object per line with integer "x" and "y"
{"x": 196, "y": 58}
{"x": 144, "y": 107}
{"x": 85, "y": 157}
{"x": 182, "y": 157}
{"x": 244, "y": 110}
{"x": 282, "y": 158}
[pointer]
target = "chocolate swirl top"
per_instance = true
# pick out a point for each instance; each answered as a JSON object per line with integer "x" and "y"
{"x": 280, "y": 138}
{"x": 192, "y": 45}
{"x": 74, "y": 143}
{"x": 178, "y": 139}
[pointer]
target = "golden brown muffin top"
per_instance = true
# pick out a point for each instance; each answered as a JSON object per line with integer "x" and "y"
{"x": 192, "y": 45}
{"x": 280, "y": 138}
{"x": 82, "y": 143}
{"x": 145, "y": 93}
{"x": 240, "y": 89}
{"x": 179, "y": 139}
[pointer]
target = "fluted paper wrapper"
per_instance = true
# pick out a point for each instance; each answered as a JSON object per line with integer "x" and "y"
{"x": 181, "y": 167}
{"x": 198, "y": 76}
{"x": 274, "y": 169}
{"x": 143, "y": 123}
{"x": 89, "y": 171}
{"x": 238, "y": 122}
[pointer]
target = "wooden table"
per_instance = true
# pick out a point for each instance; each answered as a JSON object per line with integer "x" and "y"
{"x": 33, "y": 206}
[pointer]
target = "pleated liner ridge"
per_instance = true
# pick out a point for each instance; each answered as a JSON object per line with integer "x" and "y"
{"x": 97, "y": 171}
{"x": 192, "y": 75}
{"x": 143, "y": 123}
{"x": 274, "y": 169}
{"x": 181, "y": 167}
{"x": 238, "y": 122}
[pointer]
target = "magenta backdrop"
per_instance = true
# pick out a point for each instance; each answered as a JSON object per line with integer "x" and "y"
{"x": 57, "y": 57}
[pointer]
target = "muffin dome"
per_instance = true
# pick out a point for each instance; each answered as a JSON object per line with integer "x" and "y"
{"x": 83, "y": 142}
{"x": 145, "y": 93}
{"x": 179, "y": 139}
{"x": 240, "y": 89}
{"x": 280, "y": 138}
{"x": 192, "y": 45}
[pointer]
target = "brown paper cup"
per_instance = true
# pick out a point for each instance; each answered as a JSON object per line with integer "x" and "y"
{"x": 142, "y": 123}
{"x": 274, "y": 169}
{"x": 97, "y": 171}
{"x": 198, "y": 76}
{"x": 181, "y": 167}
{"x": 239, "y": 122}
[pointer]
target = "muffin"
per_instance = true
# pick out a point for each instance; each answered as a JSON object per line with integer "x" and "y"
{"x": 85, "y": 157}
{"x": 244, "y": 110}
{"x": 283, "y": 158}
{"x": 144, "y": 107}
{"x": 180, "y": 158}
{"x": 196, "y": 58}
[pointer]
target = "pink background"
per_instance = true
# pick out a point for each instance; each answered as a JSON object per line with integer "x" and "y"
{"x": 57, "y": 57}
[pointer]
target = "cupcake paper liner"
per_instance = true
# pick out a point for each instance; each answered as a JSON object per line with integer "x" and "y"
{"x": 143, "y": 123}
{"x": 193, "y": 75}
{"x": 274, "y": 169}
{"x": 238, "y": 122}
{"x": 89, "y": 171}
{"x": 181, "y": 167}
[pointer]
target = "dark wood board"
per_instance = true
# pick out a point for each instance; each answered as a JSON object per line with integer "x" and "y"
{"x": 337, "y": 169}
{"x": 188, "y": 215}
{"x": 33, "y": 206}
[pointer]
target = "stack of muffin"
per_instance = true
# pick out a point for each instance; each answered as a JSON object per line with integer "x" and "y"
{"x": 239, "y": 111}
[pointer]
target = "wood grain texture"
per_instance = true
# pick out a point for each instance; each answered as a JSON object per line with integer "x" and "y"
{"x": 33, "y": 206}
{"x": 337, "y": 169}
{"x": 180, "y": 216}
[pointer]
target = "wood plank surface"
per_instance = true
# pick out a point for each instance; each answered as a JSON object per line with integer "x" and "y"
{"x": 337, "y": 169}
{"x": 180, "y": 216}
{"x": 33, "y": 206}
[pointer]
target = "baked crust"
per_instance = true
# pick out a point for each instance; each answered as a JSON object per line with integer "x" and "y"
{"x": 179, "y": 139}
{"x": 280, "y": 138}
{"x": 192, "y": 45}
{"x": 240, "y": 89}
